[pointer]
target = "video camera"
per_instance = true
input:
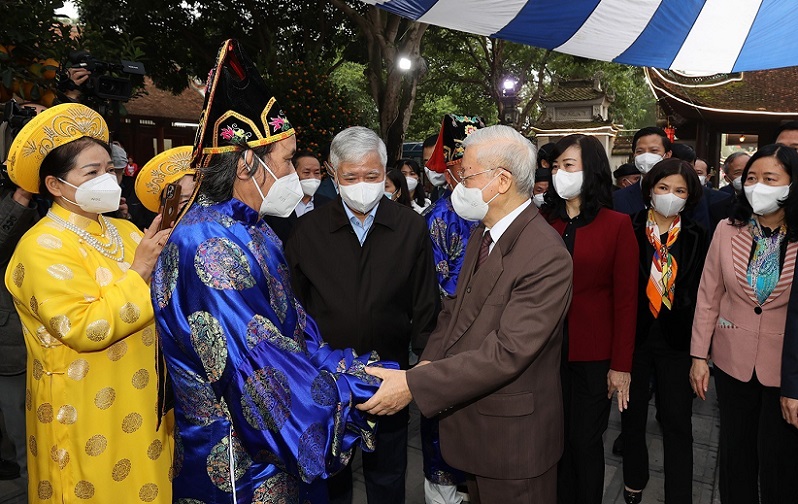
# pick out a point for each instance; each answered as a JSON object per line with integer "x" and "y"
{"x": 13, "y": 119}
{"x": 102, "y": 84}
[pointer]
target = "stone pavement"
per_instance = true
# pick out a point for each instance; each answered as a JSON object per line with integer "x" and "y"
{"x": 705, "y": 452}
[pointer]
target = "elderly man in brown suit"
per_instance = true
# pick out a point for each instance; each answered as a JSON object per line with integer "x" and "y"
{"x": 491, "y": 367}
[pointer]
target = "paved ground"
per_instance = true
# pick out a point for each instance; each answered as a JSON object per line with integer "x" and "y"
{"x": 705, "y": 452}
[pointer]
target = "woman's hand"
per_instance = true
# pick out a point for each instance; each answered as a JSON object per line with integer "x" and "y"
{"x": 699, "y": 377}
{"x": 149, "y": 249}
{"x": 619, "y": 381}
{"x": 789, "y": 410}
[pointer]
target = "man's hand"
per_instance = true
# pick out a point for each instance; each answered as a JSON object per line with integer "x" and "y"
{"x": 393, "y": 394}
{"x": 617, "y": 380}
{"x": 789, "y": 410}
{"x": 22, "y": 196}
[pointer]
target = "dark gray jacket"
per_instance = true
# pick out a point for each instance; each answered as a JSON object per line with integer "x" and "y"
{"x": 15, "y": 220}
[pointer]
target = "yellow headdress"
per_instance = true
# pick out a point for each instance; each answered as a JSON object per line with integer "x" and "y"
{"x": 52, "y": 128}
{"x": 167, "y": 167}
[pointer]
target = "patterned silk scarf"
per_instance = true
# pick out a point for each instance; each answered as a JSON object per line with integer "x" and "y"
{"x": 662, "y": 279}
{"x": 763, "y": 269}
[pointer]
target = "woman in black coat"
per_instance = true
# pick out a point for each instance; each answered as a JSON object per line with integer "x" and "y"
{"x": 672, "y": 253}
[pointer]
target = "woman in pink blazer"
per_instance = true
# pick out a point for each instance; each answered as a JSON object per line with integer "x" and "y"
{"x": 739, "y": 323}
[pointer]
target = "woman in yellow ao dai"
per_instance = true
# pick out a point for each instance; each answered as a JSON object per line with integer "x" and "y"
{"x": 80, "y": 285}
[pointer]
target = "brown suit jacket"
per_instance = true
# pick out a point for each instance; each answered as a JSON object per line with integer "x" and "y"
{"x": 495, "y": 372}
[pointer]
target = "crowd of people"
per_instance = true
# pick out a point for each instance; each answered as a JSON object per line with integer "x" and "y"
{"x": 289, "y": 318}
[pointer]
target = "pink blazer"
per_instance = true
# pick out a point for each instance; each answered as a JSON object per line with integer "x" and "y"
{"x": 730, "y": 325}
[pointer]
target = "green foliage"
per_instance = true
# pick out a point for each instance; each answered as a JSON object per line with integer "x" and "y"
{"x": 315, "y": 107}
{"x": 349, "y": 78}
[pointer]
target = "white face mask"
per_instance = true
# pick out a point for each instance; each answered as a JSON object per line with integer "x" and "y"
{"x": 363, "y": 196}
{"x": 764, "y": 199}
{"x": 702, "y": 179}
{"x": 667, "y": 204}
{"x": 435, "y": 178}
{"x": 412, "y": 183}
{"x": 468, "y": 203}
{"x": 309, "y": 186}
{"x": 283, "y": 196}
{"x": 646, "y": 161}
{"x": 737, "y": 183}
{"x": 98, "y": 195}
{"x": 538, "y": 199}
{"x": 568, "y": 184}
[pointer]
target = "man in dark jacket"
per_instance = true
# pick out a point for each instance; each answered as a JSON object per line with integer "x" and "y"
{"x": 377, "y": 289}
{"x": 17, "y": 215}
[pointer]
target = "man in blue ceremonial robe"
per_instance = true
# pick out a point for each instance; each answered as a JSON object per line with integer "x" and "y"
{"x": 264, "y": 408}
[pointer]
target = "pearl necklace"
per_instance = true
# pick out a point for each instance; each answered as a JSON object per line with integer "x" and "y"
{"x": 114, "y": 249}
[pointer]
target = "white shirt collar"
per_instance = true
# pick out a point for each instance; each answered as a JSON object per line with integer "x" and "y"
{"x": 500, "y": 227}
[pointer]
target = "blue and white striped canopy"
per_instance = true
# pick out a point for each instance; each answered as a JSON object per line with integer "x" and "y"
{"x": 702, "y": 36}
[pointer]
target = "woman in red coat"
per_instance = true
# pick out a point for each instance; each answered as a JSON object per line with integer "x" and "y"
{"x": 600, "y": 329}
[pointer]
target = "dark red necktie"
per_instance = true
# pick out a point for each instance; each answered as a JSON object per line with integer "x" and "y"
{"x": 484, "y": 249}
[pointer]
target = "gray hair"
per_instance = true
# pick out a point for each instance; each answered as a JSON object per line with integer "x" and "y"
{"x": 505, "y": 147}
{"x": 221, "y": 173}
{"x": 733, "y": 156}
{"x": 353, "y": 144}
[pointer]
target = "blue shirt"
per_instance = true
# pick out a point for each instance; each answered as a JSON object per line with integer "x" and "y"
{"x": 361, "y": 228}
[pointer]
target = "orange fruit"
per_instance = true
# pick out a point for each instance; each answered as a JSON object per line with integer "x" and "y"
{"x": 47, "y": 98}
{"x": 50, "y": 68}
{"x": 35, "y": 69}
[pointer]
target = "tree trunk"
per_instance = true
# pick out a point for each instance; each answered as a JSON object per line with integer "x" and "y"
{"x": 389, "y": 38}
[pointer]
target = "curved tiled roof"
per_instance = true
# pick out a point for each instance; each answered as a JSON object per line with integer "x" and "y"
{"x": 574, "y": 90}
{"x": 158, "y": 103}
{"x": 763, "y": 91}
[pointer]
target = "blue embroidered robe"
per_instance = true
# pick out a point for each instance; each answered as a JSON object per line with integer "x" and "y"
{"x": 449, "y": 234}
{"x": 258, "y": 394}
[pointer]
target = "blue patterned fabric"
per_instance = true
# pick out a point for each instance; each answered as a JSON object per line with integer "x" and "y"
{"x": 253, "y": 379}
{"x": 449, "y": 233}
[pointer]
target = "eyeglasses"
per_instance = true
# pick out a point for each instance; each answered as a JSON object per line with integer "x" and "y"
{"x": 462, "y": 176}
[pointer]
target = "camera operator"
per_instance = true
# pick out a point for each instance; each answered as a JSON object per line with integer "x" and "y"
{"x": 18, "y": 213}
{"x": 77, "y": 77}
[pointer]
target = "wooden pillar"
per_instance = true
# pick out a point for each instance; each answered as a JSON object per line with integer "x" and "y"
{"x": 160, "y": 135}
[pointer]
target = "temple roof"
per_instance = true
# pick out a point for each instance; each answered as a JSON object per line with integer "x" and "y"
{"x": 767, "y": 91}
{"x": 575, "y": 90}
{"x": 158, "y": 103}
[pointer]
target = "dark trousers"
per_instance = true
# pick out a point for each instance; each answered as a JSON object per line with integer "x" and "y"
{"x": 671, "y": 369}
{"x": 754, "y": 441}
{"x": 384, "y": 469}
{"x": 539, "y": 490}
{"x": 580, "y": 474}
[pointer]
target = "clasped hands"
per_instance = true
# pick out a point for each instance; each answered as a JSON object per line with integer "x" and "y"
{"x": 393, "y": 394}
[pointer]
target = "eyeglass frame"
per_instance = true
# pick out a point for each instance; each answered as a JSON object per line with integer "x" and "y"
{"x": 462, "y": 176}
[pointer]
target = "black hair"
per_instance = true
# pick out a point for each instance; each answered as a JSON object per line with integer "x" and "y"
{"x": 302, "y": 154}
{"x": 666, "y": 168}
{"x": 651, "y": 130}
{"x": 61, "y": 160}
{"x": 596, "y": 182}
{"x": 222, "y": 172}
{"x": 430, "y": 141}
{"x": 419, "y": 196}
{"x": 544, "y": 153}
{"x": 788, "y": 126}
{"x": 788, "y": 158}
{"x": 683, "y": 152}
{"x": 399, "y": 182}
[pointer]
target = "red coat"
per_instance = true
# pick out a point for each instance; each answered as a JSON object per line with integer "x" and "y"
{"x": 603, "y": 314}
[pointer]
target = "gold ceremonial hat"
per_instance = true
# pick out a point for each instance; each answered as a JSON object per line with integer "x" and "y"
{"x": 167, "y": 167}
{"x": 52, "y": 128}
